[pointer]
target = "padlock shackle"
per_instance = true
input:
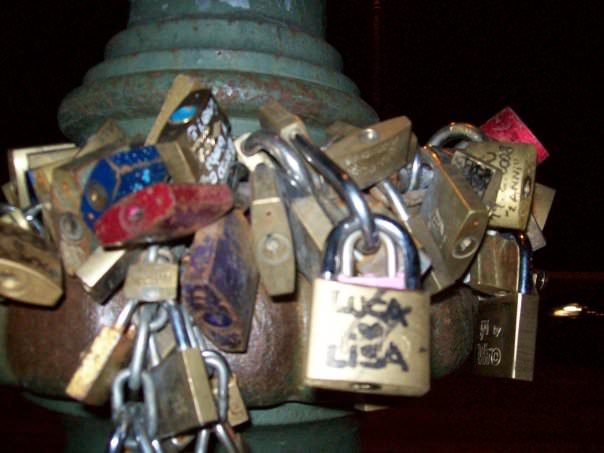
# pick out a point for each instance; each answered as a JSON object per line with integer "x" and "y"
{"x": 285, "y": 155}
{"x": 178, "y": 326}
{"x": 525, "y": 279}
{"x": 338, "y": 234}
{"x": 457, "y": 131}
{"x": 344, "y": 186}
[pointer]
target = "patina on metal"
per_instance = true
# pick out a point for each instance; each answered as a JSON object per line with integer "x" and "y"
{"x": 247, "y": 51}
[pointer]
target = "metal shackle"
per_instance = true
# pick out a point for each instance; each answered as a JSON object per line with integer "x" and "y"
{"x": 525, "y": 277}
{"x": 345, "y": 187}
{"x": 347, "y": 257}
{"x": 284, "y": 154}
{"x": 332, "y": 257}
{"x": 457, "y": 131}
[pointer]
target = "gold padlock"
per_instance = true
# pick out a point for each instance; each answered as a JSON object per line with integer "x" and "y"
{"x": 100, "y": 363}
{"x": 30, "y": 270}
{"x": 369, "y": 339}
{"x": 517, "y": 163}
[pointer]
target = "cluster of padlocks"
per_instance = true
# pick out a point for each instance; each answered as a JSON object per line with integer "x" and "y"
{"x": 189, "y": 223}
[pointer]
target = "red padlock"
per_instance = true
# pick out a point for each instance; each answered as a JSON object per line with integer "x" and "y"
{"x": 507, "y": 126}
{"x": 163, "y": 212}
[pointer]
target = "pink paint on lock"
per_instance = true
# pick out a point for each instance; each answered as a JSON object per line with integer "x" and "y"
{"x": 373, "y": 280}
{"x": 507, "y": 126}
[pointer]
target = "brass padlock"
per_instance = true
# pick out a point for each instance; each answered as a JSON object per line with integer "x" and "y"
{"x": 182, "y": 385}
{"x": 543, "y": 198}
{"x": 517, "y": 163}
{"x": 506, "y": 330}
{"x": 76, "y": 240}
{"x": 367, "y": 339}
{"x": 273, "y": 244}
{"x": 153, "y": 278}
{"x": 495, "y": 268}
{"x": 219, "y": 280}
{"x": 276, "y": 118}
{"x": 104, "y": 271}
{"x": 100, "y": 363}
{"x": 200, "y": 127}
{"x": 455, "y": 217}
{"x": 30, "y": 270}
{"x": 373, "y": 154}
{"x": 22, "y": 160}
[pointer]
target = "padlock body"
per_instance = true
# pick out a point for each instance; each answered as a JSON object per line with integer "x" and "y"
{"x": 496, "y": 265}
{"x": 184, "y": 394}
{"x": 91, "y": 382}
{"x": 517, "y": 163}
{"x": 219, "y": 280}
{"x": 201, "y": 127}
{"x": 369, "y": 340}
{"x": 118, "y": 175}
{"x": 505, "y": 337}
{"x": 237, "y": 413}
{"x": 151, "y": 282}
{"x": 30, "y": 270}
{"x": 163, "y": 212}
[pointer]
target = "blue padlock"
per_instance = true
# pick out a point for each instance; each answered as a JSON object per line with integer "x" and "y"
{"x": 114, "y": 177}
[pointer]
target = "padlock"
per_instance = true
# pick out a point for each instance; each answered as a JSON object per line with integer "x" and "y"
{"x": 152, "y": 279}
{"x": 534, "y": 234}
{"x": 41, "y": 183}
{"x": 181, "y": 164}
{"x": 200, "y": 127}
{"x": 250, "y": 161}
{"x": 438, "y": 277}
{"x": 184, "y": 394}
{"x": 271, "y": 233}
{"x": 109, "y": 135}
{"x": 455, "y": 217}
{"x": 276, "y": 118}
{"x": 373, "y": 154}
{"x": 517, "y": 165}
{"x": 507, "y": 126}
{"x": 118, "y": 175}
{"x": 495, "y": 267}
{"x": 100, "y": 363}
{"x": 30, "y": 270}
{"x": 543, "y": 198}
{"x": 76, "y": 240}
{"x": 104, "y": 271}
{"x": 162, "y": 212}
{"x": 22, "y": 160}
{"x": 309, "y": 222}
{"x": 485, "y": 179}
{"x": 181, "y": 87}
{"x": 219, "y": 280}
{"x": 368, "y": 339}
{"x": 506, "y": 329}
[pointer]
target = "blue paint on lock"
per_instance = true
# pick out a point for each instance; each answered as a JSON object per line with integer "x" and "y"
{"x": 183, "y": 114}
{"x": 119, "y": 175}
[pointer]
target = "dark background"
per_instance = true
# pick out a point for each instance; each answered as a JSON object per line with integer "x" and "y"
{"x": 435, "y": 62}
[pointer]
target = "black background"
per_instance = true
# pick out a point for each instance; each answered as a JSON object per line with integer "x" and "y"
{"x": 435, "y": 62}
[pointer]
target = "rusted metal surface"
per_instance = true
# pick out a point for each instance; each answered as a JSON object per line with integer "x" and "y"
{"x": 44, "y": 345}
{"x": 452, "y": 322}
{"x": 134, "y": 100}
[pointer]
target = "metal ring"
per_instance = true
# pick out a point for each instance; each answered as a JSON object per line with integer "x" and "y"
{"x": 220, "y": 365}
{"x": 203, "y": 441}
{"x": 226, "y": 436}
{"x": 159, "y": 320}
{"x": 140, "y": 348}
{"x": 345, "y": 187}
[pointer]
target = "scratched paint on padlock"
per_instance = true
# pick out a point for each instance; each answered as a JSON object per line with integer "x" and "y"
{"x": 199, "y": 125}
{"x": 219, "y": 280}
{"x": 368, "y": 339}
{"x": 117, "y": 176}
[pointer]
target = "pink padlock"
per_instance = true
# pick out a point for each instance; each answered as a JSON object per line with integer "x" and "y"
{"x": 394, "y": 279}
{"x": 507, "y": 126}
